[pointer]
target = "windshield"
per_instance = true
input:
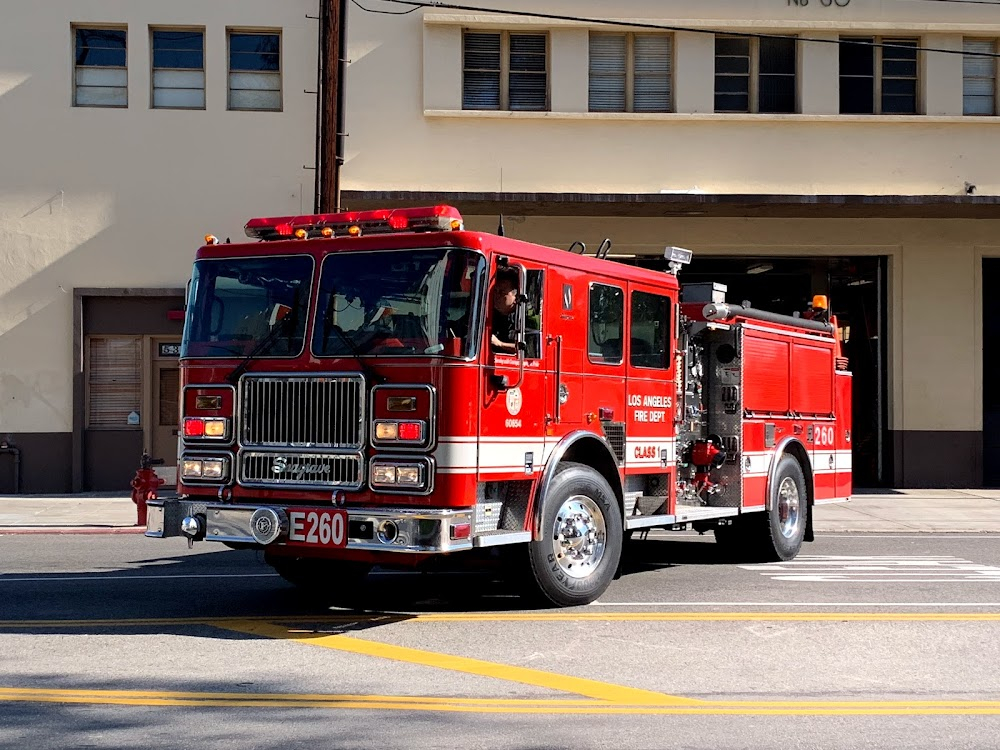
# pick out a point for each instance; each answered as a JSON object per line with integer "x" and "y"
{"x": 234, "y": 304}
{"x": 399, "y": 302}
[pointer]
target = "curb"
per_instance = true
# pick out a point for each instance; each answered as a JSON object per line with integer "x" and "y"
{"x": 12, "y": 530}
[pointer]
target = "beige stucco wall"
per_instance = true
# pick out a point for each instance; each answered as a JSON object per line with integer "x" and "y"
{"x": 392, "y": 101}
{"x": 121, "y": 197}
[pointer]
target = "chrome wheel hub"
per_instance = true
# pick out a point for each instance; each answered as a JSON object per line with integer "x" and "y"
{"x": 579, "y": 536}
{"x": 789, "y": 509}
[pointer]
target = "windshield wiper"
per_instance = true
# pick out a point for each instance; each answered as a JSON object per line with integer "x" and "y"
{"x": 263, "y": 344}
{"x": 356, "y": 353}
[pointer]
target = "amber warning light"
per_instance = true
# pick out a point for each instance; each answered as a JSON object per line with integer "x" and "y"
{"x": 356, "y": 223}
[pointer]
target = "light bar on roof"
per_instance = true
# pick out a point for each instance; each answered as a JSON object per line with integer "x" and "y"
{"x": 356, "y": 223}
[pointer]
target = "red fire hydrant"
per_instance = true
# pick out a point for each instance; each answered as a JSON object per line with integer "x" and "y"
{"x": 144, "y": 486}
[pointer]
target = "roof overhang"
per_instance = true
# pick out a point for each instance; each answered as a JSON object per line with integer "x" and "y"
{"x": 688, "y": 205}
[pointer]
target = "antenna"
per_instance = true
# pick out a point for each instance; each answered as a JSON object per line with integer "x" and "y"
{"x": 500, "y": 231}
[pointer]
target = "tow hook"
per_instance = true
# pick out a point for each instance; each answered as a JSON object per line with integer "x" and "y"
{"x": 193, "y": 528}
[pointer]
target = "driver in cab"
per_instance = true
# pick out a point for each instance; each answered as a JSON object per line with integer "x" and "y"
{"x": 503, "y": 314}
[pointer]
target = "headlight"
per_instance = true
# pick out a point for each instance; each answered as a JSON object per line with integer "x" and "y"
{"x": 204, "y": 468}
{"x": 409, "y": 475}
{"x": 213, "y": 468}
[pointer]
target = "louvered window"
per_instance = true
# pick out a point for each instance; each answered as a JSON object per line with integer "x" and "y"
{"x": 254, "y": 71}
{"x": 114, "y": 380}
{"x": 179, "y": 69}
{"x": 878, "y": 76}
{"x": 979, "y": 77}
{"x": 100, "y": 74}
{"x": 755, "y": 75}
{"x": 630, "y": 72}
{"x": 505, "y": 71}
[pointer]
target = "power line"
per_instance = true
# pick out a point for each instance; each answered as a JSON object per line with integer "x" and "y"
{"x": 416, "y": 4}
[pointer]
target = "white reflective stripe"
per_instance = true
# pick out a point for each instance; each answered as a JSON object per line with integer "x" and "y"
{"x": 455, "y": 455}
{"x": 842, "y": 462}
{"x": 760, "y": 463}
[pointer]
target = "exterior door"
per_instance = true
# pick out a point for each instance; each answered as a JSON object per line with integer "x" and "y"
{"x": 162, "y": 428}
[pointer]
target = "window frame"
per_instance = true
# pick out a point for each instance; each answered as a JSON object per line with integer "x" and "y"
{"x": 152, "y": 66}
{"x": 505, "y": 71}
{"x": 630, "y": 71}
{"x": 996, "y": 76}
{"x": 74, "y": 29}
{"x": 754, "y": 74}
{"x": 668, "y": 329}
{"x": 878, "y": 73}
{"x": 596, "y": 358}
{"x": 229, "y": 69}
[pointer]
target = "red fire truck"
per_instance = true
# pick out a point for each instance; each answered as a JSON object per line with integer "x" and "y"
{"x": 386, "y": 388}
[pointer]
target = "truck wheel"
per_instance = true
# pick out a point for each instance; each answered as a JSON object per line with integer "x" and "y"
{"x": 581, "y": 545}
{"x": 788, "y": 512}
{"x": 330, "y": 578}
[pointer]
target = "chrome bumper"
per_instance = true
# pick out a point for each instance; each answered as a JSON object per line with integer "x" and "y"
{"x": 420, "y": 530}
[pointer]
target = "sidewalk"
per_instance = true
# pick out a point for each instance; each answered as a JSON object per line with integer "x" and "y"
{"x": 893, "y": 511}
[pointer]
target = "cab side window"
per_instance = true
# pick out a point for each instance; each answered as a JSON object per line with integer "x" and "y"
{"x": 533, "y": 314}
{"x": 649, "y": 341}
{"x": 606, "y": 318}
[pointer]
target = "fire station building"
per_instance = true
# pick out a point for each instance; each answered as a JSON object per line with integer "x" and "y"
{"x": 841, "y": 147}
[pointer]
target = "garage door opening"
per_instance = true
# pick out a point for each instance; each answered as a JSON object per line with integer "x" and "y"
{"x": 857, "y": 289}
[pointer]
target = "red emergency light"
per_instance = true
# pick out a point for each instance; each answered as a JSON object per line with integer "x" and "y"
{"x": 356, "y": 223}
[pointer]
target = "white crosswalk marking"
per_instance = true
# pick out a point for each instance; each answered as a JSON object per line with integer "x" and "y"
{"x": 878, "y": 569}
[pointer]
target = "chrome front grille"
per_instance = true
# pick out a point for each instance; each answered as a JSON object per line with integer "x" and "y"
{"x": 302, "y": 412}
{"x": 301, "y": 469}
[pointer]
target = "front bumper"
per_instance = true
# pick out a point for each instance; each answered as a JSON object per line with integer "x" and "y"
{"x": 420, "y": 531}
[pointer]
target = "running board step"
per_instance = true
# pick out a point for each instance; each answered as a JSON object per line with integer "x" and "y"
{"x": 682, "y": 515}
{"x": 495, "y": 538}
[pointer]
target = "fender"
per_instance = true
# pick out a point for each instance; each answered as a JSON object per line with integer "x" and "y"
{"x": 794, "y": 447}
{"x": 576, "y": 446}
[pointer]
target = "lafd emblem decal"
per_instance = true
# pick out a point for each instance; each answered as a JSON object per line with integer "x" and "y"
{"x": 514, "y": 401}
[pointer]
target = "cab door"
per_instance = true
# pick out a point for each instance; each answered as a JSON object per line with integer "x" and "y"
{"x": 514, "y": 391}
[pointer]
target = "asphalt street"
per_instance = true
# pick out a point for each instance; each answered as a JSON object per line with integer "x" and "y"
{"x": 865, "y": 640}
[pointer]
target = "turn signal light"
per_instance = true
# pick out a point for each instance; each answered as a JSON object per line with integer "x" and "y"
{"x": 200, "y": 427}
{"x": 410, "y": 432}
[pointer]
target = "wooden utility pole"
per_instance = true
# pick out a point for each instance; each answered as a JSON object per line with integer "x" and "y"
{"x": 333, "y": 44}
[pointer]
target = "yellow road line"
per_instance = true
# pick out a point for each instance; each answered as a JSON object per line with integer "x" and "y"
{"x": 387, "y": 618}
{"x": 590, "y": 688}
{"x": 417, "y": 703}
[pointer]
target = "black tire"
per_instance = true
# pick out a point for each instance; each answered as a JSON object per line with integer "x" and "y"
{"x": 336, "y": 579}
{"x": 552, "y": 575}
{"x": 787, "y": 516}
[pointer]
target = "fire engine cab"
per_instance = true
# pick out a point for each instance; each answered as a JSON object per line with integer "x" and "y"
{"x": 386, "y": 387}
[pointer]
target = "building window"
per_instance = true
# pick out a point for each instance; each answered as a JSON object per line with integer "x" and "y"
{"x": 100, "y": 73}
{"x": 114, "y": 381}
{"x": 979, "y": 77}
{"x": 630, "y": 72}
{"x": 506, "y": 71}
{"x": 179, "y": 69}
{"x": 878, "y": 80}
{"x": 254, "y": 71}
{"x": 755, "y": 75}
